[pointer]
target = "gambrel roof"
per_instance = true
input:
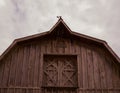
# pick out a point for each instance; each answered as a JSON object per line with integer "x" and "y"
{"x": 59, "y": 24}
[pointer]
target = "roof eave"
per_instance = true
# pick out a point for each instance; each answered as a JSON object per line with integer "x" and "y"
{"x": 20, "y": 40}
{"x": 71, "y": 32}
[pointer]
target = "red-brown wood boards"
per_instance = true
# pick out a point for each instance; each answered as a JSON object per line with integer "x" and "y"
{"x": 59, "y": 61}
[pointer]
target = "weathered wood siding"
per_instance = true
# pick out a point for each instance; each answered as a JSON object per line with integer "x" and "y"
{"x": 21, "y": 71}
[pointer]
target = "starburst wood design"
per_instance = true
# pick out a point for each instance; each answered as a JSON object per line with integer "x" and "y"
{"x": 60, "y": 71}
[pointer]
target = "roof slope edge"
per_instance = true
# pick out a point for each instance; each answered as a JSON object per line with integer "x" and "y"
{"x": 104, "y": 43}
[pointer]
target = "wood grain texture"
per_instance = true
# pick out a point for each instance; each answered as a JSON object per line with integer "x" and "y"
{"x": 22, "y": 70}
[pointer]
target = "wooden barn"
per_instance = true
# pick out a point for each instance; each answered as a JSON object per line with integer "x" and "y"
{"x": 59, "y": 61}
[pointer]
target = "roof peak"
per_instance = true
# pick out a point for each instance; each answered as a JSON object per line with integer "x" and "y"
{"x": 59, "y": 23}
{"x": 59, "y": 18}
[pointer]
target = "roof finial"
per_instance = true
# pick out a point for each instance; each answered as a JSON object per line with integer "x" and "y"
{"x": 59, "y": 17}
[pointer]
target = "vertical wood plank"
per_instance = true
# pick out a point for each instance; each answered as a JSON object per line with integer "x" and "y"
{"x": 84, "y": 65}
{"x": 115, "y": 75}
{"x": 24, "y": 66}
{"x": 18, "y": 76}
{"x": 108, "y": 68}
{"x": 10, "y": 79}
{"x": 2, "y": 65}
{"x": 17, "y": 66}
{"x": 7, "y": 68}
{"x": 31, "y": 65}
{"x": 48, "y": 43}
{"x": 90, "y": 70}
{"x": 79, "y": 63}
{"x": 41, "y": 65}
{"x": 53, "y": 46}
{"x": 28, "y": 67}
{"x": 102, "y": 70}
{"x": 67, "y": 48}
{"x": 13, "y": 68}
{"x": 80, "y": 73}
{"x": 97, "y": 80}
{"x": 36, "y": 67}
{"x": 71, "y": 46}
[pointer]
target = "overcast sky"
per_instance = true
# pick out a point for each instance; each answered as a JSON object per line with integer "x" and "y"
{"x": 96, "y": 18}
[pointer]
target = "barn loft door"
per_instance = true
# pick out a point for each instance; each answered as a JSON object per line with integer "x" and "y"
{"x": 60, "y": 74}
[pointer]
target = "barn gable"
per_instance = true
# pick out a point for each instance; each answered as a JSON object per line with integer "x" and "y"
{"x": 59, "y": 61}
{"x": 60, "y": 29}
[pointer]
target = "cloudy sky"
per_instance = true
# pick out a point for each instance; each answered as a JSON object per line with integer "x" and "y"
{"x": 96, "y": 18}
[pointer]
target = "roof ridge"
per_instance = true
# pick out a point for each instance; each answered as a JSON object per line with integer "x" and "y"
{"x": 100, "y": 41}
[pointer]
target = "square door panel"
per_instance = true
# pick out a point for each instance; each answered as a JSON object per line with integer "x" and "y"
{"x": 60, "y": 71}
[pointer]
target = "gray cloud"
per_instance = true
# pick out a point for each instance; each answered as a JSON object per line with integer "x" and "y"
{"x": 97, "y": 18}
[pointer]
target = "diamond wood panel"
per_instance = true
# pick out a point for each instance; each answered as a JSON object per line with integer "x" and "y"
{"x": 60, "y": 71}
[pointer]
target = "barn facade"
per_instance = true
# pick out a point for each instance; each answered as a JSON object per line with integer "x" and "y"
{"x": 59, "y": 61}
